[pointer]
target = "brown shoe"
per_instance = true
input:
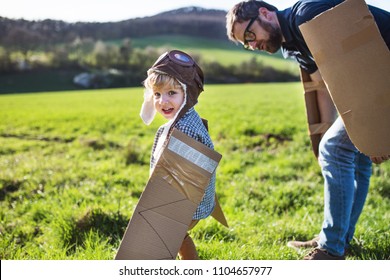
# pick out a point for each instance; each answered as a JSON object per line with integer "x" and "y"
{"x": 320, "y": 254}
{"x": 304, "y": 244}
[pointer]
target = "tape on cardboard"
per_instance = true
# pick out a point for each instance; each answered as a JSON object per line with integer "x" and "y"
{"x": 360, "y": 38}
{"x": 192, "y": 155}
{"x": 357, "y": 40}
{"x": 313, "y": 86}
{"x": 319, "y": 128}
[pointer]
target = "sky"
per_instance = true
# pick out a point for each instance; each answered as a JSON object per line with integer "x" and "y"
{"x": 117, "y": 10}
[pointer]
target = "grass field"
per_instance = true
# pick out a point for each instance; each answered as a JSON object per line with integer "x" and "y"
{"x": 73, "y": 165}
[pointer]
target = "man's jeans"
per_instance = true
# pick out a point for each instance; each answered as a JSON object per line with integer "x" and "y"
{"x": 346, "y": 174}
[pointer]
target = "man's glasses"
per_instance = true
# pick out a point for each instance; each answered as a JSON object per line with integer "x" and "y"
{"x": 249, "y": 36}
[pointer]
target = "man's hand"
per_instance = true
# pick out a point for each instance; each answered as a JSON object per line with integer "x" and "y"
{"x": 379, "y": 160}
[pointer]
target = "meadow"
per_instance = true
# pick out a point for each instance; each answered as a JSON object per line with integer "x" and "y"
{"x": 74, "y": 164}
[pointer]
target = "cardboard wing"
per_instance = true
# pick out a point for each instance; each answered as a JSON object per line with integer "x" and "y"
{"x": 169, "y": 200}
{"x": 354, "y": 62}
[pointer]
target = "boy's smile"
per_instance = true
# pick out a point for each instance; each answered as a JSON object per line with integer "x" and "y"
{"x": 168, "y": 101}
{"x": 167, "y": 111}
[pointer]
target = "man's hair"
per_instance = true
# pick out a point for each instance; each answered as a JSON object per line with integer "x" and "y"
{"x": 244, "y": 11}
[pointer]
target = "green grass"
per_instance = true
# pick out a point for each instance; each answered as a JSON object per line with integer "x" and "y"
{"x": 73, "y": 165}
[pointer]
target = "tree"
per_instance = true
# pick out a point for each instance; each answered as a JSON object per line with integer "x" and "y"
{"x": 5, "y": 60}
{"x": 105, "y": 55}
{"x": 23, "y": 40}
{"x": 125, "y": 51}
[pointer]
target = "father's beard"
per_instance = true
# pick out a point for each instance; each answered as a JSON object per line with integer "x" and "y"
{"x": 274, "y": 42}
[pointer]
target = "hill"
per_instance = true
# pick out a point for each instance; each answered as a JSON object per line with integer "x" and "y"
{"x": 190, "y": 21}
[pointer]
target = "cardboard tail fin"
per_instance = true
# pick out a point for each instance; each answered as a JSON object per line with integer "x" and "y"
{"x": 218, "y": 213}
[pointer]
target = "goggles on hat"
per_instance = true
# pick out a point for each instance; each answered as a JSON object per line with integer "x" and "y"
{"x": 178, "y": 57}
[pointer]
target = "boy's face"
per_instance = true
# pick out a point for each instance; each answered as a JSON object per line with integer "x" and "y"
{"x": 168, "y": 100}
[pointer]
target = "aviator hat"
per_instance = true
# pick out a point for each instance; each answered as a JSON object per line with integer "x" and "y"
{"x": 182, "y": 67}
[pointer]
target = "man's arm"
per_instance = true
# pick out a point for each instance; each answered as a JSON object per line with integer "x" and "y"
{"x": 328, "y": 112}
{"x": 379, "y": 160}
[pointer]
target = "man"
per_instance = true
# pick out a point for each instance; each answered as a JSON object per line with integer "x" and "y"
{"x": 258, "y": 25}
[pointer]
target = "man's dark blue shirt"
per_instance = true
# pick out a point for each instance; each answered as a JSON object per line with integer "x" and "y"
{"x": 305, "y": 10}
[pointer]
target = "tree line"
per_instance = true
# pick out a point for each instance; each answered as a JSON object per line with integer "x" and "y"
{"x": 131, "y": 64}
{"x": 50, "y": 44}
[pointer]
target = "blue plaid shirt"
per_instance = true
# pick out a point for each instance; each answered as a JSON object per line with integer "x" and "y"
{"x": 192, "y": 125}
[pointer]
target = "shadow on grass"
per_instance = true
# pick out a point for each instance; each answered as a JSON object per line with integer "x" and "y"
{"x": 9, "y": 186}
{"x": 109, "y": 226}
{"x": 366, "y": 253}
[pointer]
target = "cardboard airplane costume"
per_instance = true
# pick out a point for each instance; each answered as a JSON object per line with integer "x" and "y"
{"x": 179, "y": 177}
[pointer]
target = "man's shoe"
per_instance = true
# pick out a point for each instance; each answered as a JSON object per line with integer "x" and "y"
{"x": 304, "y": 244}
{"x": 320, "y": 254}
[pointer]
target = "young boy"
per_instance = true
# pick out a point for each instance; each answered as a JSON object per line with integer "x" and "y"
{"x": 172, "y": 88}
